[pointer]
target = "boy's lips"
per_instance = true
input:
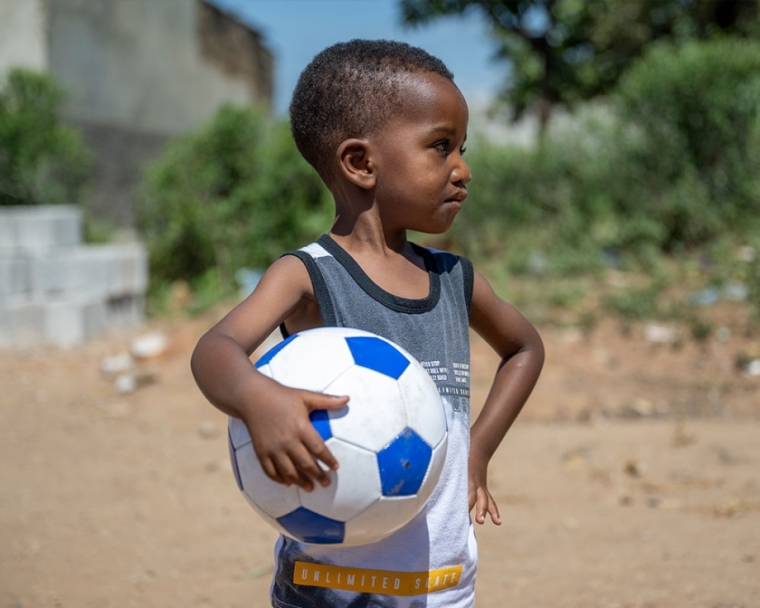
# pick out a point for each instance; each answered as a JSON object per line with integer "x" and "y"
{"x": 457, "y": 197}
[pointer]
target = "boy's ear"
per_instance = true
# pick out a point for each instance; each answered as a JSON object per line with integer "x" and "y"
{"x": 354, "y": 161}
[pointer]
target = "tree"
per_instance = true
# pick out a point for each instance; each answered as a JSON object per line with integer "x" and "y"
{"x": 566, "y": 51}
{"x": 42, "y": 160}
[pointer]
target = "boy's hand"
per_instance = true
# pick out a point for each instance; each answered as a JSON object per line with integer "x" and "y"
{"x": 286, "y": 442}
{"x": 479, "y": 496}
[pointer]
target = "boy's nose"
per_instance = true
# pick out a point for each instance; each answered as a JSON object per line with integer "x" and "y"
{"x": 461, "y": 173}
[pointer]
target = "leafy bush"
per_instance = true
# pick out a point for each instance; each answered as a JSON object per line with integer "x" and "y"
{"x": 234, "y": 193}
{"x": 42, "y": 161}
{"x": 668, "y": 164}
{"x": 698, "y": 106}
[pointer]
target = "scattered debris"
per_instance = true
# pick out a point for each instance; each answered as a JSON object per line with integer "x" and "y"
{"x": 207, "y": 430}
{"x": 704, "y": 297}
{"x": 149, "y": 346}
{"x": 723, "y": 334}
{"x": 634, "y": 468}
{"x": 736, "y": 292}
{"x": 682, "y": 436}
{"x": 537, "y": 263}
{"x": 724, "y": 456}
{"x": 730, "y": 507}
{"x": 644, "y": 408}
{"x": 653, "y": 502}
{"x": 746, "y": 254}
{"x": 128, "y": 383}
{"x": 752, "y": 368}
{"x": 111, "y": 367}
{"x": 660, "y": 334}
{"x": 576, "y": 458}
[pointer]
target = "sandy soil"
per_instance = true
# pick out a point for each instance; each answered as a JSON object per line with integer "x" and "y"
{"x": 632, "y": 479}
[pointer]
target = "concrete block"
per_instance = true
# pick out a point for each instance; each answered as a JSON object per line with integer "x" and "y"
{"x": 14, "y": 276}
{"x": 30, "y": 229}
{"x": 128, "y": 311}
{"x": 69, "y": 322}
{"x": 22, "y": 322}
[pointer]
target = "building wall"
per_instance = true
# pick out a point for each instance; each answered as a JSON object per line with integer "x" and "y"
{"x": 137, "y": 73}
{"x": 23, "y": 42}
{"x": 157, "y": 67}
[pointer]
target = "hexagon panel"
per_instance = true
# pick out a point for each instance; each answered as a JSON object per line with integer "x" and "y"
{"x": 238, "y": 432}
{"x": 387, "y": 515}
{"x": 353, "y": 488}
{"x": 424, "y": 407}
{"x": 378, "y": 355}
{"x": 375, "y": 413}
{"x": 273, "y": 498}
{"x": 321, "y": 422}
{"x": 310, "y": 527}
{"x": 269, "y": 355}
{"x": 429, "y": 484}
{"x": 403, "y": 464}
{"x": 311, "y": 362}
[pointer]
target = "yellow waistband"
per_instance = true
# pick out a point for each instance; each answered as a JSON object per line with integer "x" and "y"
{"x": 386, "y": 582}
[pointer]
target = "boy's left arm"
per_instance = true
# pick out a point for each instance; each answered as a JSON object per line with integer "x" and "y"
{"x": 518, "y": 344}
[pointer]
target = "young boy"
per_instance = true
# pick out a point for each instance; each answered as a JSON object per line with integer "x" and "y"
{"x": 384, "y": 125}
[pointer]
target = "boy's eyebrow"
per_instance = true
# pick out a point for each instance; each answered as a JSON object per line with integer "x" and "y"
{"x": 443, "y": 131}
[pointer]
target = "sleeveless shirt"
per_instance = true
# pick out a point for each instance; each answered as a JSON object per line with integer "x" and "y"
{"x": 431, "y": 561}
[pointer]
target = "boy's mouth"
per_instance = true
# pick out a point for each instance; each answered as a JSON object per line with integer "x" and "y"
{"x": 457, "y": 197}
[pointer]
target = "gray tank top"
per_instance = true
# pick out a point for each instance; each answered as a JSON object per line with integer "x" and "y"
{"x": 435, "y": 330}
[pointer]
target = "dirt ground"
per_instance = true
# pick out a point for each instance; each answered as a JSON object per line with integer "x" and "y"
{"x": 632, "y": 479}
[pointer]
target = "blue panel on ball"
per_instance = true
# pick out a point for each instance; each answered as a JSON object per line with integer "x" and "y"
{"x": 403, "y": 464}
{"x": 310, "y": 527}
{"x": 269, "y": 355}
{"x": 377, "y": 355}
{"x": 321, "y": 422}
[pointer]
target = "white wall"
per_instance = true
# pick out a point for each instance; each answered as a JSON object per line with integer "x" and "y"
{"x": 22, "y": 35}
{"x": 136, "y": 64}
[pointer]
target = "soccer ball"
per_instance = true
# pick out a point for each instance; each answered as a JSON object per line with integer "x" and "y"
{"x": 390, "y": 440}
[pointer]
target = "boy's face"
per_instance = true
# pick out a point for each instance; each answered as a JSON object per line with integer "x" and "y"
{"x": 421, "y": 176}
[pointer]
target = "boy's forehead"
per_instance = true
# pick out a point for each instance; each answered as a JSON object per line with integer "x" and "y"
{"x": 424, "y": 91}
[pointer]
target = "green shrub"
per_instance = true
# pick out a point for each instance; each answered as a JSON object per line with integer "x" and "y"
{"x": 42, "y": 161}
{"x": 698, "y": 108}
{"x": 232, "y": 194}
{"x": 669, "y": 164}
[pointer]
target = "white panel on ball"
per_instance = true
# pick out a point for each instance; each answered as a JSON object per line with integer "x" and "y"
{"x": 376, "y": 412}
{"x": 239, "y": 435}
{"x": 354, "y": 488}
{"x": 434, "y": 471}
{"x": 317, "y": 362}
{"x": 384, "y": 517}
{"x": 424, "y": 408}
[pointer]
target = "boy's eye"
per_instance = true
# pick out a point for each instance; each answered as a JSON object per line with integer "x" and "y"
{"x": 442, "y": 146}
{"x": 462, "y": 150}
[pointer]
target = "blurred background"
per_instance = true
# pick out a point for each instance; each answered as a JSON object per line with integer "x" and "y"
{"x": 147, "y": 176}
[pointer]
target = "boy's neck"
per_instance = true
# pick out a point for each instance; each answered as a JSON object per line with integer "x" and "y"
{"x": 368, "y": 236}
{"x": 359, "y": 227}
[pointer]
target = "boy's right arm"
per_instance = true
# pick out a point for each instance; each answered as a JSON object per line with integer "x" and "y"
{"x": 277, "y": 417}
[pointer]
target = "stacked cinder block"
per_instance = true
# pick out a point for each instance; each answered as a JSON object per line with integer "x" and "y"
{"x": 56, "y": 290}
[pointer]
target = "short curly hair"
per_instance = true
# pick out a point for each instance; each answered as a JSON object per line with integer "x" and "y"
{"x": 349, "y": 90}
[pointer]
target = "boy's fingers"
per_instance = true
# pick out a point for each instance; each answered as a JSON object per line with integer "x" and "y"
{"x": 319, "y": 450}
{"x": 494, "y": 511}
{"x": 288, "y": 471}
{"x": 309, "y": 468}
{"x": 320, "y": 401}
{"x": 271, "y": 471}
{"x": 482, "y": 505}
